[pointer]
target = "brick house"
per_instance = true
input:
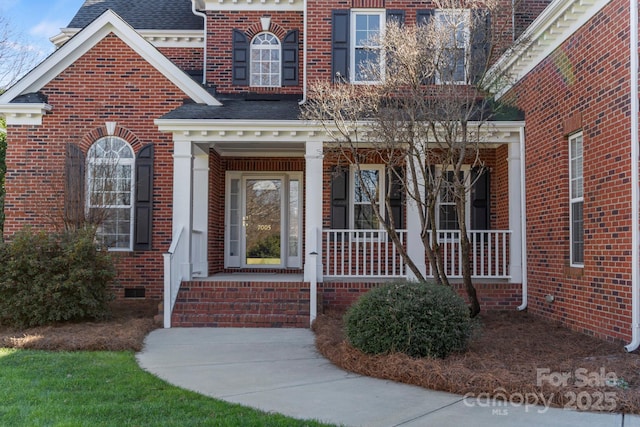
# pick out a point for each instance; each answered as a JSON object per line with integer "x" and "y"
{"x": 228, "y": 211}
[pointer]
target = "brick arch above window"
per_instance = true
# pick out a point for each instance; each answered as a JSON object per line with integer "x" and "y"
{"x": 120, "y": 132}
{"x": 256, "y": 28}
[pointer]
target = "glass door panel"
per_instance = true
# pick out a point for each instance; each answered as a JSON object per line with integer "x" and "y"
{"x": 263, "y": 222}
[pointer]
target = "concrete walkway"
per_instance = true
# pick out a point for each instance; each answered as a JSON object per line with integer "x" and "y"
{"x": 279, "y": 370}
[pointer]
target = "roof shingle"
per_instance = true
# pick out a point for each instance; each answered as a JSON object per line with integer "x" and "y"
{"x": 142, "y": 14}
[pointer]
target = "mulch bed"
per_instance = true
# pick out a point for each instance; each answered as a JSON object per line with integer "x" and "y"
{"x": 514, "y": 357}
{"x": 130, "y": 323}
{"x": 504, "y": 360}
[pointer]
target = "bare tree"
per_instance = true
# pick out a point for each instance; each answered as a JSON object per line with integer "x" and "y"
{"x": 422, "y": 119}
{"x": 16, "y": 57}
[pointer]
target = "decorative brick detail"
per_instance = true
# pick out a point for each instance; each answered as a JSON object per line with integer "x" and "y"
{"x": 367, "y": 4}
{"x": 256, "y": 28}
{"x": 101, "y": 132}
{"x": 572, "y": 124}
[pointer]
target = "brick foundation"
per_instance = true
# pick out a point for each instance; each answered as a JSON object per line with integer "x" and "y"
{"x": 286, "y": 304}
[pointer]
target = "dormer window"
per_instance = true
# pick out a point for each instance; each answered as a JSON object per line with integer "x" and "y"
{"x": 265, "y": 60}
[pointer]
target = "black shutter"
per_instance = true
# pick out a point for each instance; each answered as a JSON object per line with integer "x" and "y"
{"x": 480, "y": 199}
{"x": 240, "y": 67}
{"x": 340, "y": 45}
{"x": 395, "y": 16}
{"x": 480, "y": 43}
{"x": 340, "y": 198}
{"x": 396, "y": 196}
{"x": 290, "y": 59}
{"x": 74, "y": 186}
{"x": 143, "y": 199}
{"x": 423, "y": 17}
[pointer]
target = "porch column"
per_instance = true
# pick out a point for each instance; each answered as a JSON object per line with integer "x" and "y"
{"x": 200, "y": 211}
{"x": 415, "y": 246}
{"x": 313, "y": 209}
{"x": 182, "y": 202}
{"x": 515, "y": 211}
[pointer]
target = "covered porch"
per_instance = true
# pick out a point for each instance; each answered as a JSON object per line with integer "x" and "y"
{"x": 217, "y": 160}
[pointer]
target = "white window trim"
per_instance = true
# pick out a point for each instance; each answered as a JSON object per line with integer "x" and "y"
{"x": 130, "y": 161}
{"x": 573, "y": 200}
{"x": 466, "y": 170}
{"x": 279, "y": 84}
{"x": 467, "y": 43}
{"x": 352, "y": 190}
{"x": 353, "y": 47}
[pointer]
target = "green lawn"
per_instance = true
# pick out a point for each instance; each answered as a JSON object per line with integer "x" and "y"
{"x": 40, "y": 388}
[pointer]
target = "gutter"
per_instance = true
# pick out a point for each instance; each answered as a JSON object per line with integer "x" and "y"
{"x": 635, "y": 285}
{"x": 304, "y": 56}
{"x": 204, "y": 53}
{"x": 523, "y": 222}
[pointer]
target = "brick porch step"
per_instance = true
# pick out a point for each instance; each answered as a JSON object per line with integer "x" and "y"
{"x": 242, "y": 304}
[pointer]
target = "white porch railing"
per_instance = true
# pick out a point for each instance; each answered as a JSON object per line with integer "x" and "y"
{"x": 489, "y": 254}
{"x": 371, "y": 253}
{"x": 173, "y": 274}
{"x": 362, "y": 253}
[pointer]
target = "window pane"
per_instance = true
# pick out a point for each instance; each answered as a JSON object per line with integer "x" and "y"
{"x": 265, "y": 61}
{"x": 364, "y": 218}
{"x": 369, "y": 185}
{"x": 367, "y": 63}
{"x": 577, "y": 233}
{"x": 294, "y": 217}
{"x": 448, "y": 218}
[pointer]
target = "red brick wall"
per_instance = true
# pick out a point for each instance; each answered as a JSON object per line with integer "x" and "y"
{"x": 109, "y": 83}
{"x": 188, "y": 59}
{"x": 587, "y": 75}
{"x": 525, "y": 12}
{"x": 220, "y": 27}
{"x": 492, "y": 296}
{"x": 500, "y": 189}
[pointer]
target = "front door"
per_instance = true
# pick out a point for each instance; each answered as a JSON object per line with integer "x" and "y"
{"x": 262, "y": 222}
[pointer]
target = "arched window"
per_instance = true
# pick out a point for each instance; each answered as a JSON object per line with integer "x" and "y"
{"x": 110, "y": 169}
{"x": 265, "y": 60}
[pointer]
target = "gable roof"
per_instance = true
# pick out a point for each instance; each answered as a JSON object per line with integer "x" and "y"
{"x": 107, "y": 23}
{"x": 142, "y": 14}
{"x": 559, "y": 21}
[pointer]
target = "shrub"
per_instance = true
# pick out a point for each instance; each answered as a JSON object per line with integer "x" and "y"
{"x": 47, "y": 278}
{"x": 418, "y": 319}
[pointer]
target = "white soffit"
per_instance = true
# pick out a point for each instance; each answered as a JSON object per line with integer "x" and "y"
{"x": 559, "y": 20}
{"x": 105, "y": 24}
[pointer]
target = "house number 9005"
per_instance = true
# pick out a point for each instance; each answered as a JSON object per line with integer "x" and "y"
{"x": 264, "y": 227}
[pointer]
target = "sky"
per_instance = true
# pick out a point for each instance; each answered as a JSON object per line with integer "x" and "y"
{"x": 35, "y": 21}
